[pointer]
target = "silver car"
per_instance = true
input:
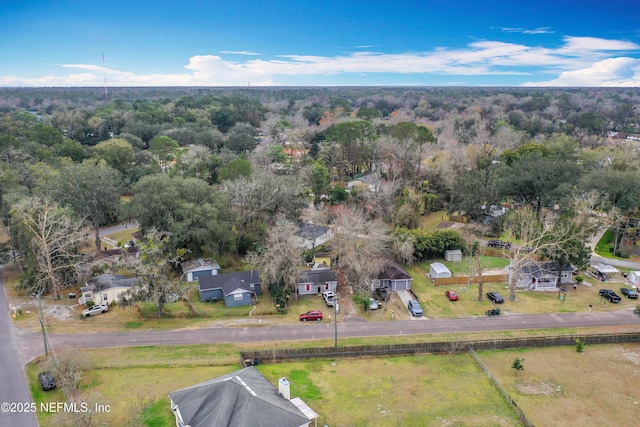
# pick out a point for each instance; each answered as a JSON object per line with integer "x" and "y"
{"x": 96, "y": 309}
{"x": 414, "y": 308}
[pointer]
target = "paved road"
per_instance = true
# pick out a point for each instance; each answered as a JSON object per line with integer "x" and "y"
{"x": 13, "y": 383}
{"x": 31, "y": 342}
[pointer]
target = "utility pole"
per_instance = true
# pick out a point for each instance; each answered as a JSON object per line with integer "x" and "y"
{"x": 44, "y": 332}
{"x": 335, "y": 318}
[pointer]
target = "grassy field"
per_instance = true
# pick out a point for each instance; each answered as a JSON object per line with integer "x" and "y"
{"x": 417, "y": 391}
{"x": 560, "y": 387}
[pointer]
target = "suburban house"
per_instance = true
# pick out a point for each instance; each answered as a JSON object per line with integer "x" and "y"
{"x": 316, "y": 281}
{"x": 392, "y": 277}
{"x": 236, "y": 289}
{"x": 542, "y": 276}
{"x": 107, "y": 288}
{"x": 310, "y": 235}
{"x": 240, "y": 398}
{"x": 201, "y": 267}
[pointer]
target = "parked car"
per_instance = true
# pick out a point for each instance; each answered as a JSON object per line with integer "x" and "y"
{"x": 47, "y": 382}
{"x": 495, "y": 297}
{"x": 329, "y": 298}
{"x": 95, "y": 310}
{"x": 414, "y": 308}
{"x": 452, "y": 295}
{"x": 382, "y": 293}
{"x": 498, "y": 244}
{"x": 311, "y": 315}
{"x": 610, "y": 295}
{"x": 629, "y": 293}
{"x": 374, "y": 304}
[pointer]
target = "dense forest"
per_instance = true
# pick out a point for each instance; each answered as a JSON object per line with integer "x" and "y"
{"x": 222, "y": 171}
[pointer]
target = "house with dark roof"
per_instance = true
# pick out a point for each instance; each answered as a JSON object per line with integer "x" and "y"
{"x": 393, "y": 276}
{"x": 542, "y": 276}
{"x": 194, "y": 269}
{"x": 236, "y": 289}
{"x": 310, "y": 235}
{"x": 239, "y": 399}
{"x": 107, "y": 288}
{"x": 316, "y": 281}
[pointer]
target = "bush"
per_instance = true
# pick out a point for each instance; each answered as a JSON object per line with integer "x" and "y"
{"x": 579, "y": 279}
{"x": 579, "y": 346}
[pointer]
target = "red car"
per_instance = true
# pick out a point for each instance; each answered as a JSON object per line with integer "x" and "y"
{"x": 452, "y": 295}
{"x": 311, "y": 315}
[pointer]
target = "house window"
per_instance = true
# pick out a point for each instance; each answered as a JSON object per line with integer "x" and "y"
{"x": 326, "y": 286}
{"x": 252, "y": 286}
{"x": 238, "y": 297}
{"x": 105, "y": 297}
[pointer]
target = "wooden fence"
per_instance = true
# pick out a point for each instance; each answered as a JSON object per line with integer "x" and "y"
{"x": 463, "y": 280}
{"x": 447, "y": 347}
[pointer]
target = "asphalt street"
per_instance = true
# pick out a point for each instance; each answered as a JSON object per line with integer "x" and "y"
{"x": 31, "y": 342}
{"x": 14, "y": 389}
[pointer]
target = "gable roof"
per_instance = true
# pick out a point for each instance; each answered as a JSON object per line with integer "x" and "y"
{"x": 536, "y": 269}
{"x": 393, "y": 271}
{"x": 319, "y": 275}
{"x": 241, "y": 398}
{"x": 311, "y": 231}
{"x": 240, "y": 279}
{"x": 106, "y": 281}
{"x": 199, "y": 264}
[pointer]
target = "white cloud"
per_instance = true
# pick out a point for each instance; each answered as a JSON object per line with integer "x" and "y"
{"x": 539, "y": 30}
{"x": 615, "y": 72}
{"x": 240, "y": 52}
{"x": 579, "y": 61}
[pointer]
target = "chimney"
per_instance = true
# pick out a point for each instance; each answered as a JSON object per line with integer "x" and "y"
{"x": 284, "y": 388}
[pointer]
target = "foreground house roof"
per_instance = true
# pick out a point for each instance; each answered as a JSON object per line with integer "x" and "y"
{"x": 241, "y": 398}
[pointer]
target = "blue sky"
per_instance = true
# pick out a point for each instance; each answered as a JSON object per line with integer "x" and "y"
{"x": 320, "y": 43}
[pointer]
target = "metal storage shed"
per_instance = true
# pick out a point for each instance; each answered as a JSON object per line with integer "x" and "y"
{"x": 634, "y": 278}
{"x": 453, "y": 255}
{"x": 438, "y": 270}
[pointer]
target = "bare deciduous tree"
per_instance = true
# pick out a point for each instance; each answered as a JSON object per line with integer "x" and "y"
{"x": 281, "y": 258}
{"x": 360, "y": 245}
{"x": 54, "y": 238}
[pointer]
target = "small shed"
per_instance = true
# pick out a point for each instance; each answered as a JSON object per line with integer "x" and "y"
{"x": 438, "y": 270}
{"x": 453, "y": 255}
{"x": 634, "y": 278}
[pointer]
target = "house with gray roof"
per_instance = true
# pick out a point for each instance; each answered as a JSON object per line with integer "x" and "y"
{"x": 107, "y": 288}
{"x": 238, "y": 399}
{"x": 316, "y": 281}
{"x": 236, "y": 289}
{"x": 542, "y": 276}
{"x": 194, "y": 269}
{"x": 393, "y": 277}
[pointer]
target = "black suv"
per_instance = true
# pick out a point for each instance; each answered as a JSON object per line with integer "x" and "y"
{"x": 629, "y": 293}
{"x": 610, "y": 295}
{"x": 46, "y": 381}
{"x": 498, "y": 244}
{"x": 495, "y": 297}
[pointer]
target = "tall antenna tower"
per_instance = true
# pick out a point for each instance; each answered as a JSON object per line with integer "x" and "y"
{"x": 104, "y": 70}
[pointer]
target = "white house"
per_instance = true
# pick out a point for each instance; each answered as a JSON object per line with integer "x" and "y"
{"x": 107, "y": 288}
{"x": 542, "y": 276}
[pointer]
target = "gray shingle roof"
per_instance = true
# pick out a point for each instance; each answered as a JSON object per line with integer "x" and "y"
{"x": 321, "y": 275}
{"x": 224, "y": 281}
{"x": 241, "y": 398}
